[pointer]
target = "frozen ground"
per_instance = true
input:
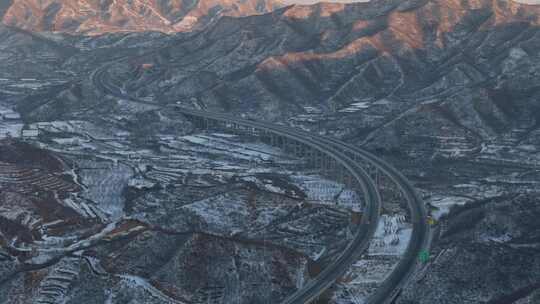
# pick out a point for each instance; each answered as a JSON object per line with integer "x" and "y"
{"x": 213, "y": 185}
{"x": 389, "y": 243}
{"x": 11, "y": 124}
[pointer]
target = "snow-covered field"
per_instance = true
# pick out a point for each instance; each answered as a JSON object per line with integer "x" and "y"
{"x": 11, "y": 124}
{"x": 227, "y": 185}
{"x": 386, "y": 248}
{"x": 324, "y": 191}
{"x": 444, "y": 203}
{"x": 104, "y": 182}
{"x": 355, "y": 107}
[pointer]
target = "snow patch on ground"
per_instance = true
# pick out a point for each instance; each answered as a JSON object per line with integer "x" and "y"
{"x": 444, "y": 203}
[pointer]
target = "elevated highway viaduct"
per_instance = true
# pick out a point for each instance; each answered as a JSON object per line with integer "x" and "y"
{"x": 350, "y": 165}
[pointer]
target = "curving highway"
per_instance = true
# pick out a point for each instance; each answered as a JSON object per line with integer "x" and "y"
{"x": 355, "y": 161}
{"x": 420, "y": 238}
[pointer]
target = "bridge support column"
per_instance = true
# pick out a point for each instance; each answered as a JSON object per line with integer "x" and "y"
{"x": 297, "y": 149}
{"x": 271, "y": 137}
{"x": 311, "y": 156}
{"x": 301, "y": 150}
{"x": 348, "y": 180}
{"x": 325, "y": 165}
{"x": 341, "y": 175}
{"x": 283, "y": 143}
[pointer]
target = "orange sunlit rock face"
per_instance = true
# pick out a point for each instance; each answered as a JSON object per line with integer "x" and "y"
{"x": 324, "y": 9}
{"x": 404, "y": 29}
{"x": 95, "y": 17}
{"x": 147, "y": 66}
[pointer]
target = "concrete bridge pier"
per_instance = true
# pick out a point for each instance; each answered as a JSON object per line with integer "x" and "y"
{"x": 323, "y": 163}
{"x": 283, "y": 143}
{"x": 273, "y": 140}
{"x": 266, "y": 137}
{"x": 310, "y": 156}
{"x": 298, "y": 149}
{"x": 207, "y": 124}
{"x": 341, "y": 175}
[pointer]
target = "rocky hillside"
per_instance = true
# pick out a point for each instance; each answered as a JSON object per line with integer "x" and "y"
{"x": 95, "y": 17}
{"x": 446, "y": 90}
{"x": 462, "y": 73}
{"x": 492, "y": 248}
{"x": 427, "y": 79}
{"x": 23, "y": 54}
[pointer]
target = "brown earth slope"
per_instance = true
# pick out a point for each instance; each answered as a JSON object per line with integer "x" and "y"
{"x": 95, "y": 17}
